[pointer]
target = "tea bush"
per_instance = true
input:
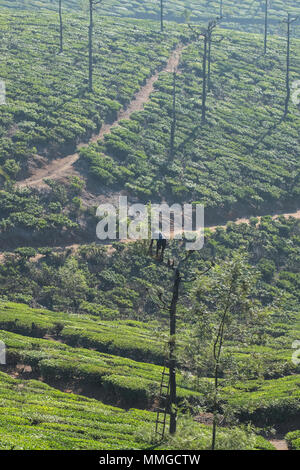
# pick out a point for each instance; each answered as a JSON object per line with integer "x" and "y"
{"x": 135, "y": 340}
{"x": 266, "y": 402}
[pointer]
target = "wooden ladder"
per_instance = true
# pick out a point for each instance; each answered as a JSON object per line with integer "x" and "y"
{"x": 162, "y": 409}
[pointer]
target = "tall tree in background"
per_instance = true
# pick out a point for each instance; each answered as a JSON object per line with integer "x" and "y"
{"x": 232, "y": 289}
{"x": 289, "y": 20}
{"x": 161, "y": 15}
{"x": 266, "y": 26}
{"x": 60, "y": 26}
{"x": 92, "y": 5}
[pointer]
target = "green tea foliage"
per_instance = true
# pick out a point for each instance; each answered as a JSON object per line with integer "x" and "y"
{"x": 37, "y": 417}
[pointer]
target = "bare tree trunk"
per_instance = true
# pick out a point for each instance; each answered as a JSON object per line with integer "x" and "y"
{"x": 60, "y": 26}
{"x": 266, "y": 26}
{"x": 172, "y": 360}
{"x": 207, "y": 35}
{"x": 173, "y": 124}
{"x": 91, "y": 47}
{"x": 161, "y": 15}
{"x": 221, "y": 8}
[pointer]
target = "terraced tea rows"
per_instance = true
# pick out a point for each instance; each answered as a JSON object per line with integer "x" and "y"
{"x": 112, "y": 342}
{"x": 34, "y": 416}
{"x": 115, "y": 379}
{"x": 129, "y": 338}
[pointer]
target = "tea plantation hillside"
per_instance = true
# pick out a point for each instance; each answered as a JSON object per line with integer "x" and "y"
{"x": 35, "y": 416}
{"x": 126, "y": 283}
{"x": 267, "y": 395}
{"x": 121, "y": 282}
{"x": 128, "y": 338}
{"x": 243, "y": 159}
{"x": 113, "y": 379}
{"x": 85, "y": 331}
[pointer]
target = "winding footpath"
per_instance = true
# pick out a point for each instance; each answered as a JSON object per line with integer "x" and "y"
{"x": 62, "y": 167}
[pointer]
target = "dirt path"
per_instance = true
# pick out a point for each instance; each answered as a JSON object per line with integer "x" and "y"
{"x": 62, "y": 167}
{"x": 279, "y": 444}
